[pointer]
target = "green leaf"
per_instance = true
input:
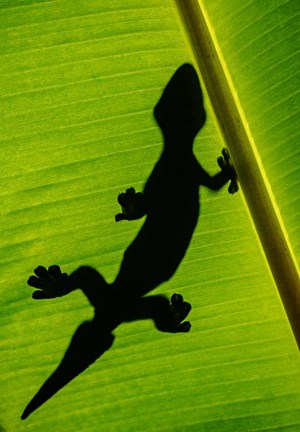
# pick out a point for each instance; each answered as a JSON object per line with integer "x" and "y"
{"x": 78, "y": 84}
{"x": 247, "y": 160}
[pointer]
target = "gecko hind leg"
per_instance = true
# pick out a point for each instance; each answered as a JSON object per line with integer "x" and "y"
{"x": 170, "y": 317}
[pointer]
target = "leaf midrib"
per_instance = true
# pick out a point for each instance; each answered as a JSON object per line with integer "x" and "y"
{"x": 237, "y": 136}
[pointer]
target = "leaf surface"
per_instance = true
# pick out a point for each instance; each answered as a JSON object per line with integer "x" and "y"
{"x": 78, "y": 84}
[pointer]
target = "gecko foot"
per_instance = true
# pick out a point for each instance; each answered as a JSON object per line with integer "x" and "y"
{"x": 50, "y": 283}
{"x": 226, "y": 165}
{"x": 132, "y": 205}
{"x": 180, "y": 310}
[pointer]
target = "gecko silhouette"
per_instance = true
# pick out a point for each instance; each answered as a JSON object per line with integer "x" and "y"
{"x": 170, "y": 202}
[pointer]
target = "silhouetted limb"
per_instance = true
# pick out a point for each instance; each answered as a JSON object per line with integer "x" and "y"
{"x": 87, "y": 345}
{"x": 226, "y": 166}
{"x": 215, "y": 182}
{"x": 112, "y": 307}
{"x": 169, "y": 319}
{"x": 226, "y": 174}
{"x": 167, "y": 316}
{"x": 53, "y": 283}
{"x": 132, "y": 204}
{"x": 50, "y": 283}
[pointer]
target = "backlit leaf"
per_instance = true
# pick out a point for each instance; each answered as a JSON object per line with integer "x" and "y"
{"x": 78, "y": 84}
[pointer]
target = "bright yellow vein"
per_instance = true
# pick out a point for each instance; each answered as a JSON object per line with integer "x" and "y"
{"x": 78, "y": 83}
{"x": 256, "y": 187}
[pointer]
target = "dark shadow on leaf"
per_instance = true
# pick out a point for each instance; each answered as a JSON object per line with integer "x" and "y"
{"x": 170, "y": 202}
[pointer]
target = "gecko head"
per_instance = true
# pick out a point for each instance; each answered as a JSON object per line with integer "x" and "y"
{"x": 180, "y": 109}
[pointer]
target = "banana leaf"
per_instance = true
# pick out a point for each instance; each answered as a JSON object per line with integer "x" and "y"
{"x": 78, "y": 84}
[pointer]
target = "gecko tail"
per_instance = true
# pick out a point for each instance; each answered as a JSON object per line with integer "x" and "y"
{"x": 87, "y": 345}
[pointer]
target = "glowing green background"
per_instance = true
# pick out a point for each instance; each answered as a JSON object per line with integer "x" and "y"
{"x": 78, "y": 83}
{"x": 260, "y": 44}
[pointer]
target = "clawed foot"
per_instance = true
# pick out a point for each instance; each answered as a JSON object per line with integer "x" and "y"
{"x": 225, "y": 164}
{"x": 51, "y": 283}
{"x": 180, "y": 310}
{"x": 132, "y": 204}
